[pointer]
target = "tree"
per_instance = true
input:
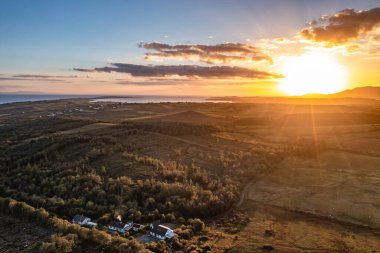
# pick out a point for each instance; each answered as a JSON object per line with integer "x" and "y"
{"x": 59, "y": 243}
{"x": 198, "y": 225}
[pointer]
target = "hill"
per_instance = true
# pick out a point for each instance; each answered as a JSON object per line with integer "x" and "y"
{"x": 360, "y": 92}
{"x": 368, "y": 92}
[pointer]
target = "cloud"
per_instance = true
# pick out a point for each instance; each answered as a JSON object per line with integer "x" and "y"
{"x": 9, "y": 87}
{"x": 30, "y": 79}
{"x": 345, "y": 26}
{"x": 11, "y": 79}
{"x": 221, "y": 72}
{"x": 353, "y": 48}
{"x": 153, "y": 83}
{"x": 27, "y": 77}
{"x": 41, "y": 76}
{"x": 220, "y": 53}
{"x": 375, "y": 39}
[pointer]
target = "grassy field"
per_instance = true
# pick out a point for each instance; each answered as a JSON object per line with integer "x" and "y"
{"x": 288, "y": 231}
{"x": 336, "y": 184}
{"x": 312, "y": 170}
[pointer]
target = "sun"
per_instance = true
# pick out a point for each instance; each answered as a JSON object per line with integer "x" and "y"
{"x": 313, "y": 72}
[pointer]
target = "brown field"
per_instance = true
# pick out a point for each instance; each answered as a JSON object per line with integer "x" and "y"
{"x": 312, "y": 170}
{"x": 299, "y": 232}
{"x": 20, "y": 236}
{"x": 338, "y": 184}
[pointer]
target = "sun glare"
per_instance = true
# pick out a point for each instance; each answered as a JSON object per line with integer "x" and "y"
{"x": 314, "y": 72}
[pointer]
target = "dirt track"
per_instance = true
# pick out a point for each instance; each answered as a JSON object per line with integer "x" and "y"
{"x": 243, "y": 194}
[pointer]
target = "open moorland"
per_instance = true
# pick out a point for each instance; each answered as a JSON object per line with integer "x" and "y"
{"x": 281, "y": 176}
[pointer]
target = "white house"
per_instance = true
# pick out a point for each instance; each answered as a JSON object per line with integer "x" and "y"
{"x": 120, "y": 226}
{"x": 91, "y": 224}
{"x": 137, "y": 227}
{"x": 80, "y": 220}
{"x": 160, "y": 231}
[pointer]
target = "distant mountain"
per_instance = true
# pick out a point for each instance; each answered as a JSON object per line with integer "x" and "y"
{"x": 360, "y": 92}
{"x": 368, "y": 92}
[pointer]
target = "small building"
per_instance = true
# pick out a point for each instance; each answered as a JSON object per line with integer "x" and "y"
{"x": 120, "y": 226}
{"x": 160, "y": 231}
{"x": 91, "y": 224}
{"x": 80, "y": 220}
{"x": 137, "y": 227}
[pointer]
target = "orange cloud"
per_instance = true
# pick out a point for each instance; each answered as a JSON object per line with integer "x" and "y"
{"x": 345, "y": 26}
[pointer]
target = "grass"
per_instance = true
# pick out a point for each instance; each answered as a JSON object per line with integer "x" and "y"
{"x": 311, "y": 200}
{"x": 338, "y": 184}
{"x": 296, "y": 232}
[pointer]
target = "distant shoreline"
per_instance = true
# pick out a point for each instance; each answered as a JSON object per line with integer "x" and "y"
{"x": 22, "y": 98}
{"x": 362, "y": 95}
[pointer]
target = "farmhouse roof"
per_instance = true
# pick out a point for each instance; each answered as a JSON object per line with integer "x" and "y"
{"x": 159, "y": 229}
{"x": 79, "y": 218}
{"x": 117, "y": 224}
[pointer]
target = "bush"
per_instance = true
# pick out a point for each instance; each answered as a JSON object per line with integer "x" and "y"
{"x": 59, "y": 244}
{"x": 197, "y": 225}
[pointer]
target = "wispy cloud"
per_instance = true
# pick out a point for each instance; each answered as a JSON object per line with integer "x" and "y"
{"x": 34, "y": 79}
{"x": 183, "y": 70}
{"x": 220, "y": 53}
{"x": 10, "y": 79}
{"x": 42, "y": 76}
{"x": 2, "y": 79}
{"x": 10, "y": 87}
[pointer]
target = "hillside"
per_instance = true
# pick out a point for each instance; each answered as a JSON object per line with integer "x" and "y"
{"x": 189, "y": 117}
{"x": 368, "y": 92}
{"x": 360, "y": 92}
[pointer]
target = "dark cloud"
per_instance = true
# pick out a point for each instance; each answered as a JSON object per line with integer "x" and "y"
{"x": 42, "y": 76}
{"x": 221, "y": 53}
{"x": 29, "y": 79}
{"x": 184, "y": 70}
{"x": 162, "y": 81}
{"x": 151, "y": 83}
{"x": 11, "y": 79}
{"x": 179, "y": 82}
{"x": 344, "y": 26}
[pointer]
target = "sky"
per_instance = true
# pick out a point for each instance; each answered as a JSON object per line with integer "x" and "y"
{"x": 205, "y": 48}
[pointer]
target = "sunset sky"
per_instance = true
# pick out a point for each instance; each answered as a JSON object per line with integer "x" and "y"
{"x": 205, "y": 48}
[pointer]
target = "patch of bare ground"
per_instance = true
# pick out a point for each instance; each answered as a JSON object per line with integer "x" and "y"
{"x": 20, "y": 236}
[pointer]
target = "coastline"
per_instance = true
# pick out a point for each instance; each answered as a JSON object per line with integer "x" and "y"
{"x": 21, "y": 98}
